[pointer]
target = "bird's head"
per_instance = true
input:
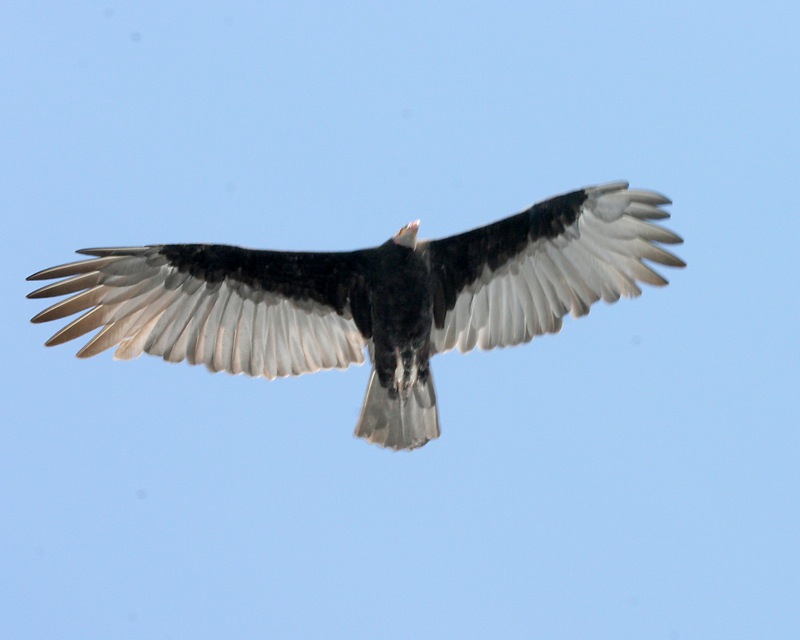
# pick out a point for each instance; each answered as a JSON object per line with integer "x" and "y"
{"x": 407, "y": 236}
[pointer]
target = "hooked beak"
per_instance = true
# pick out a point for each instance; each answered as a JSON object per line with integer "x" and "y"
{"x": 407, "y": 236}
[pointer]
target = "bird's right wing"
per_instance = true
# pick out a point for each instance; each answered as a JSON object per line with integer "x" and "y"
{"x": 262, "y": 313}
{"x": 514, "y": 279}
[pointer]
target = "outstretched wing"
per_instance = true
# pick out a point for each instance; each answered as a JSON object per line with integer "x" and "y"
{"x": 507, "y": 282}
{"x": 263, "y": 313}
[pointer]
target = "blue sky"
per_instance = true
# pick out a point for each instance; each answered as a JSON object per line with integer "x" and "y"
{"x": 635, "y": 476}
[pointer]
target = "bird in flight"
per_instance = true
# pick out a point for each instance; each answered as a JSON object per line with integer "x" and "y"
{"x": 283, "y": 313}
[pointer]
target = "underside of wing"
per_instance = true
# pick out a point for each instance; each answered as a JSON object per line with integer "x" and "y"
{"x": 505, "y": 283}
{"x": 261, "y": 313}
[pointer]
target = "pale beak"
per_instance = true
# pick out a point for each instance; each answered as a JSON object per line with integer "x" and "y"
{"x": 407, "y": 236}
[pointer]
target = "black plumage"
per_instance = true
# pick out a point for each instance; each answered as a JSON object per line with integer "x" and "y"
{"x": 276, "y": 313}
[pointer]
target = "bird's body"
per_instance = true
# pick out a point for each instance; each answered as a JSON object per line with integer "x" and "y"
{"x": 401, "y": 329}
{"x": 273, "y": 313}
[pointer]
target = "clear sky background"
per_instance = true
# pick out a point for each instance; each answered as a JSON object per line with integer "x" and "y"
{"x": 635, "y": 476}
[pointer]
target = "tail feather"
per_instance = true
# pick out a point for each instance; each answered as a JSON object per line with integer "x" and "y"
{"x": 399, "y": 423}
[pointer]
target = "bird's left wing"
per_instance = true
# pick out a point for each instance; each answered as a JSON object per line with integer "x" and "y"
{"x": 507, "y": 282}
{"x": 262, "y": 313}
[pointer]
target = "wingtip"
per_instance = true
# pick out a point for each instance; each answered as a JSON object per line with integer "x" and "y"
{"x": 102, "y": 252}
{"x": 648, "y": 196}
{"x": 39, "y": 275}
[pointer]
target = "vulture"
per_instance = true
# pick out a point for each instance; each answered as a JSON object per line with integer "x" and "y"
{"x": 284, "y": 313}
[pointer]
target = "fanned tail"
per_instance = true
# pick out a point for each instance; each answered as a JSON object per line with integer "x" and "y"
{"x": 399, "y": 423}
